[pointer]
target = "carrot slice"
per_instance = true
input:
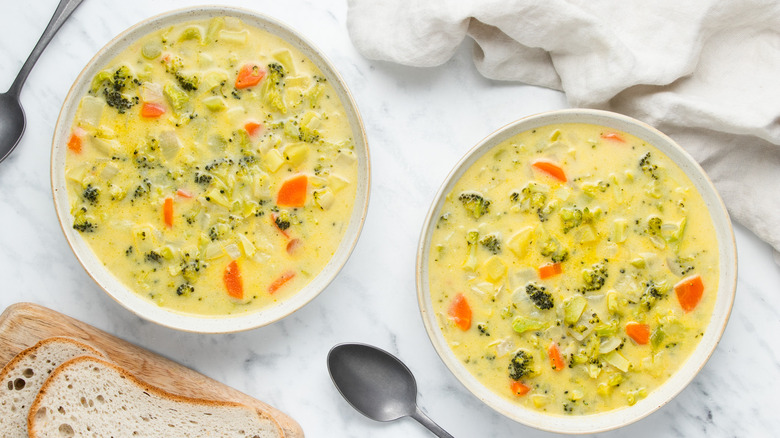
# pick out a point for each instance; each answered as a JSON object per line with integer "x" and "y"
{"x": 279, "y": 282}
{"x": 232, "y": 279}
{"x": 252, "y": 128}
{"x": 519, "y": 388}
{"x": 460, "y": 312}
{"x": 74, "y": 143}
{"x": 556, "y": 359}
{"x": 689, "y": 291}
{"x": 550, "y": 270}
{"x": 184, "y": 193}
{"x": 640, "y": 333}
{"x": 293, "y": 245}
{"x": 249, "y": 76}
{"x": 551, "y": 169}
{"x": 613, "y": 136}
{"x": 293, "y": 192}
{"x": 152, "y": 110}
{"x": 168, "y": 212}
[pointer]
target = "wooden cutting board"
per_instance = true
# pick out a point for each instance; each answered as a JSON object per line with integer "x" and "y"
{"x": 24, "y": 324}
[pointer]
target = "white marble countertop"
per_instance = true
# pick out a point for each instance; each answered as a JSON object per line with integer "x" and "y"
{"x": 419, "y": 123}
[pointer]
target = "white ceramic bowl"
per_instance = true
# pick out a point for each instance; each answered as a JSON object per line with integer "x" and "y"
{"x": 94, "y": 267}
{"x": 686, "y": 373}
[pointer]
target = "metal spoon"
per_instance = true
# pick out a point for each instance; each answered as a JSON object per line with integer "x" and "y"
{"x": 12, "y": 121}
{"x": 377, "y": 384}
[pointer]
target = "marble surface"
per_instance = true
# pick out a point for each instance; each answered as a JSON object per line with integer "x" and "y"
{"x": 419, "y": 123}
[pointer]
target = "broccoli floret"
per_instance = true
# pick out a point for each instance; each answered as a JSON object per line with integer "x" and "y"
{"x": 282, "y": 220}
{"x": 521, "y": 365}
{"x": 91, "y": 194}
{"x": 273, "y": 87}
{"x": 595, "y": 277}
{"x": 84, "y": 226}
{"x": 187, "y": 83}
{"x": 533, "y": 197}
{"x": 153, "y": 256}
{"x": 474, "y": 203}
{"x": 553, "y": 249}
{"x": 648, "y": 167}
{"x": 539, "y": 296}
{"x": 654, "y": 226}
{"x": 570, "y": 218}
{"x": 202, "y": 178}
{"x": 491, "y": 243}
{"x": 185, "y": 289}
{"x": 190, "y": 268}
{"x": 113, "y": 87}
{"x": 653, "y": 292}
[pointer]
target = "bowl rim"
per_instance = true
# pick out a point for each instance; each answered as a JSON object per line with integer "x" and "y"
{"x": 141, "y": 306}
{"x": 600, "y": 422}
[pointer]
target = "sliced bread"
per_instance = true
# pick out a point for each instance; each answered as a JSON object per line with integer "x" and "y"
{"x": 91, "y": 397}
{"x": 24, "y": 375}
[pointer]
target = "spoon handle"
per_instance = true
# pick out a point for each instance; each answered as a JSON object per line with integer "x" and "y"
{"x": 427, "y": 422}
{"x": 64, "y": 9}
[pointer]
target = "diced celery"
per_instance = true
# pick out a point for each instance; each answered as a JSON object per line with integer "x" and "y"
{"x": 657, "y": 336}
{"x": 215, "y": 25}
{"x": 324, "y": 198}
{"x": 619, "y": 227}
{"x": 522, "y": 324}
{"x": 229, "y": 36}
{"x": 555, "y": 135}
{"x": 191, "y": 33}
{"x": 215, "y": 103}
{"x": 633, "y": 396}
{"x": 638, "y": 263}
{"x": 539, "y": 400}
{"x": 615, "y": 379}
{"x": 617, "y": 360}
{"x": 573, "y": 308}
{"x": 218, "y": 198}
{"x": 177, "y": 97}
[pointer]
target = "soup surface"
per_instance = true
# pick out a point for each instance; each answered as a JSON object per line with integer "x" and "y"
{"x": 573, "y": 269}
{"x": 211, "y": 168}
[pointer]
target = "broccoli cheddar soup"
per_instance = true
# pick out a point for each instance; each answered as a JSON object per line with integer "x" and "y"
{"x": 211, "y": 168}
{"x": 573, "y": 269}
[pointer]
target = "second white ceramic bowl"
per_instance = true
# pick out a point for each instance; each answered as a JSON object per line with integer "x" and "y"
{"x": 686, "y": 373}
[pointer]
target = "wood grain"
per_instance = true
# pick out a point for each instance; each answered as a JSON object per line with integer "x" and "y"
{"x": 24, "y": 324}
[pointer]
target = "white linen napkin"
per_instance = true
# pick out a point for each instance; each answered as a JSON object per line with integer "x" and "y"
{"x": 705, "y": 72}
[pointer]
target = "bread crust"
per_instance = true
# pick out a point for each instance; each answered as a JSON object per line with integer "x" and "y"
{"x": 65, "y": 366}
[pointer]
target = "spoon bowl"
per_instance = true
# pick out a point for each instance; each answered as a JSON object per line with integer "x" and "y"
{"x": 377, "y": 384}
{"x": 12, "y": 123}
{"x": 12, "y": 120}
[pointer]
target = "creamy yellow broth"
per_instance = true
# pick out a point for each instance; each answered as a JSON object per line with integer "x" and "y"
{"x": 178, "y": 160}
{"x": 588, "y": 257}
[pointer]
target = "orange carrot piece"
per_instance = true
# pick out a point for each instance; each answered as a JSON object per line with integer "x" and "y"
{"x": 549, "y": 270}
{"x": 74, "y": 143}
{"x": 293, "y": 245}
{"x": 168, "y": 212}
{"x": 640, "y": 333}
{"x": 232, "y": 279}
{"x": 551, "y": 169}
{"x": 293, "y": 192}
{"x": 460, "y": 312}
{"x": 249, "y": 76}
{"x": 556, "y": 359}
{"x": 184, "y": 193}
{"x": 279, "y": 282}
{"x": 519, "y": 388}
{"x": 152, "y": 110}
{"x": 613, "y": 136}
{"x": 252, "y": 128}
{"x": 689, "y": 291}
